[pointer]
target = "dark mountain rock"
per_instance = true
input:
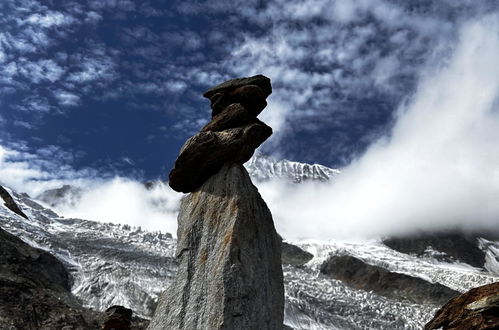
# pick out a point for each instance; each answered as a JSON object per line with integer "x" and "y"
{"x": 205, "y": 153}
{"x": 10, "y": 203}
{"x": 117, "y": 318}
{"x": 476, "y": 309}
{"x": 250, "y": 96}
{"x": 34, "y": 290}
{"x": 357, "y": 274}
{"x": 293, "y": 255}
{"x": 232, "y": 116}
{"x": 454, "y": 246}
{"x": 230, "y": 85}
{"x": 229, "y": 274}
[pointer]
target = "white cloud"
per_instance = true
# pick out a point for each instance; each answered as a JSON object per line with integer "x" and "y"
{"x": 116, "y": 199}
{"x": 41, "y": 70}
{"x": 67, "y": 98}
{"x": 122, "y": 200}
{"x": 48, "y": 19}
{"x": 438, "y": 169}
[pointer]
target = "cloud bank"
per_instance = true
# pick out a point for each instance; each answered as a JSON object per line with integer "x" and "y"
{"x": 437, "y": 169}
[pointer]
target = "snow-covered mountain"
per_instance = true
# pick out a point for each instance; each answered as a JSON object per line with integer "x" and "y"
{"x": 118, "y": 264}
{"x": 262, "y": 168}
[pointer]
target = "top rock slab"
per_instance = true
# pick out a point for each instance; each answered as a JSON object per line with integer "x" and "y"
{"x": 258, "y": 80}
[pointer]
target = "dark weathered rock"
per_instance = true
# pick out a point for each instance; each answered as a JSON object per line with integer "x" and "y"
{"x": 205, "y": 153}
{"x": 230, "y": 85}
{"x": 229, "y": 274}
{"x": 235, "y": 115}
{"x": 34, "y": 290}
{"x": 476, "y": 309}
{"x": 293, "y": 255}
{"x": 117, "y": 318}
{"x": 250, "y": 96}
{"x": 359, "y": 275}
{"x": 455, "y": 246}
{"x": 10, "y": 203}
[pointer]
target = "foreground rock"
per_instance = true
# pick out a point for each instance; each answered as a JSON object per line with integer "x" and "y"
{"x": 231, "y": 136}
{"x": 357, "y": 274}
{"x": 35, "y": 290}
{"x": 476, "y": 309}
{"x": 229, "y": 274}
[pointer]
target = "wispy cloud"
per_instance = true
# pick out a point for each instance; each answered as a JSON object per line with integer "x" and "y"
{"x": 438, "y": 168}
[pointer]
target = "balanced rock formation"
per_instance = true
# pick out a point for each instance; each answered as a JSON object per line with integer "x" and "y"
{"x": 231, "y": 136}
{"x": 477, "y": 309}
{"x": 229, "y": 254}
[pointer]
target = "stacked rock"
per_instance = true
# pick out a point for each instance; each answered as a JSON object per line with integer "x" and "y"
{"x": 231, "y": 136}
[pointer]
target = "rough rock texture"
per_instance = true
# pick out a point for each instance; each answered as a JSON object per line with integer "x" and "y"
{"x": 230, "y": 85}
{"x": 117, "y": 318}
{"x": 452, "y": 245}
{"x": 34, "y": 290}
{"x": 476, "y": 309}
{"x": 231, "y": 136}
{"x": 229, "y": 274}
{"x": 205, "y": 153}
{"x": 10, "y": 203}
{"x": 293, "y": 255}
{"x": 357, "y": 274}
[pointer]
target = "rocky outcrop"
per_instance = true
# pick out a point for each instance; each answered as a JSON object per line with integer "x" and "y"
{"x": 231, "y": 136}
{"x": 476, "y": 309}
{"x": 10, "y": 203}
{"x": 360, "y": 275}
{"x": 451, "y": 246}
{"x": 35, "y": 290}
{"x": 294, "y": 256}
{"x": 229, "y": 274}
{"x": 229, "y": 254}
{"x": 117, "y": 318}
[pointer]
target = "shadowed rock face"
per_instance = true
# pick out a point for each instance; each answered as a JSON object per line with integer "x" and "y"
{"x": 294, "y": 256}
{"x": 34, "y": 290}
{"x": 229, "y": 274}
{"x": 231, "y": 136}
{"x": 476, "y": 309}
{"x": 357, "y": 274}
{"x": 454, "y": 246}
{"x": 204, "y": 153}
{"x": 10, "y": 203}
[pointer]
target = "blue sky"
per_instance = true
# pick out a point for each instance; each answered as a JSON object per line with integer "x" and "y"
{"x": 104, "y": 88}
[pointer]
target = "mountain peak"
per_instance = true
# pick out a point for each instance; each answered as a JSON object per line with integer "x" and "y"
{"x": 262, "y": 168}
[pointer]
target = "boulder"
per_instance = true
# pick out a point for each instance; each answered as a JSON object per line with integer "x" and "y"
{"x": 205, "y": 153}
{"x": 234, "y": 115}
{"x": 294, "y": 256}
{"x": 476, "y": 309}
{"x": 251, "y": 97}
{"x": 360, "y": 275}
{"x": 229, "y": 254}
{"x": 230, "y": 85}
